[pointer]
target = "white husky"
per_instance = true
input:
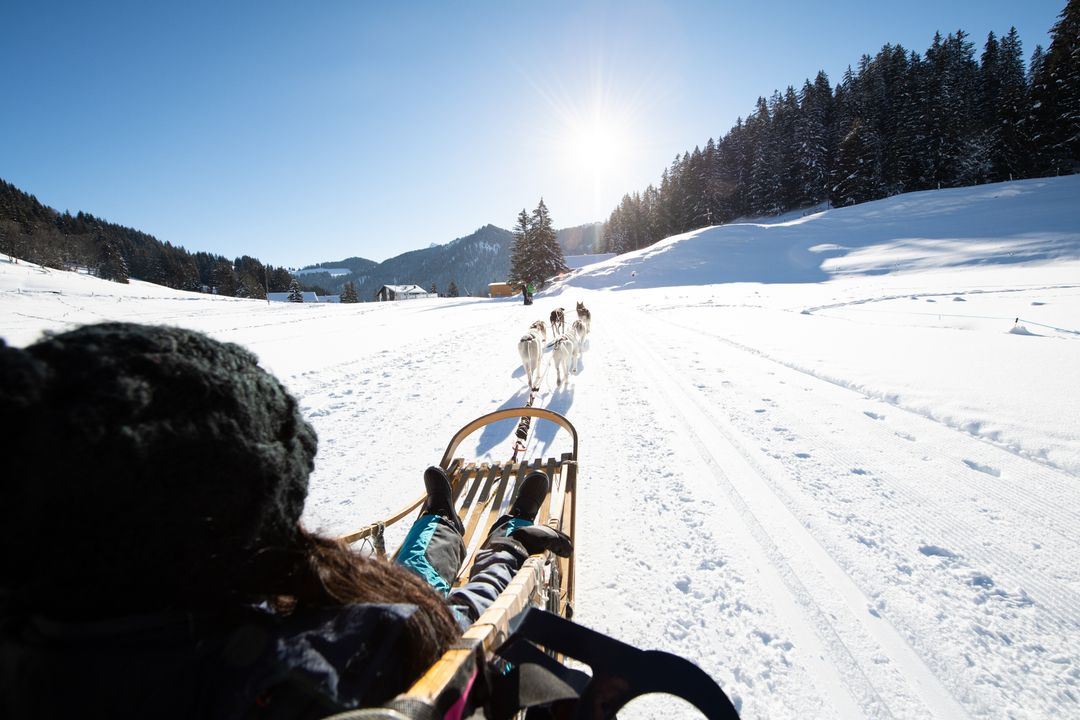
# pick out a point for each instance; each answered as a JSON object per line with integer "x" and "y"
{"x": 580, "y": 330}
{"x": 531, "y": 348}
{"x": 564, "y": 355}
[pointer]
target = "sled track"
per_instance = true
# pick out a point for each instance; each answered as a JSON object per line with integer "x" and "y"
{"x": 740, "y": 477}
{"x": 937, "y": 294}
{"x": 1056, "y": 601}
{"x": 833, "y": 381}
{"x": 1062, "y": 518}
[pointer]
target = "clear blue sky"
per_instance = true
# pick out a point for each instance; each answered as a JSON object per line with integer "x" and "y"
{"x": 301, "y": 132}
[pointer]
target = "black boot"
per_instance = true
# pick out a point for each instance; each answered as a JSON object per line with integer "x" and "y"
{"x": 440, "y": 497}
{"x": 530, "y": 495}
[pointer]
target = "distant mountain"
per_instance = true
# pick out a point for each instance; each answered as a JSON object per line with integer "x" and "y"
{"x": 470, "y": 262}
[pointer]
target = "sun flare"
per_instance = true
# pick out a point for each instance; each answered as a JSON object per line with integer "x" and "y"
{"x": 595, "y": 147}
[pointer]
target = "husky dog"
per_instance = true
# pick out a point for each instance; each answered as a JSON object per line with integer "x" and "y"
{"x": 564, "y": 355}
{"x": 580, "y": 330}
{"x": 531, "y": 347}
{"x": 584, "y": 316}
{"x": 539, "y": 325}
{"x": 558, "y": 322}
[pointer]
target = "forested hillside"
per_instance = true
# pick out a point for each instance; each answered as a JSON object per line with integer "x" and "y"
{"x": 37, "y": 233}
{"x": 899, "y": 121}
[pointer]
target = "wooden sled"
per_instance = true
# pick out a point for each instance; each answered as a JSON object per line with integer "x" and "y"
{"x": 482, "y": 492}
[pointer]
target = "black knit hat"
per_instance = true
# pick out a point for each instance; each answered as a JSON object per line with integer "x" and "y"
{"x": 146, "y": 466}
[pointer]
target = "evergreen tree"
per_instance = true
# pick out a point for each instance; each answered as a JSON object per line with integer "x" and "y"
{"x": 452, "y": 289}
{"x": 224, "y": 278}
{"x": 1011, "y": 153}
{"x": 1056, "y": 94}
{"x": 536, "y": 255}
{"x": 296, "y": 295}
{"x": 785, "y": 121}
{"x": 349, "y": 294}
{"x": 280, "y": 280}
{"x": 520, "y": 270}
{"x": 112, "y": 265}
{"x": 434, "y": 290}
{"x": 547, "y": 254}
{"x": 857, "y": 178}
{"x": 814, "y": 134}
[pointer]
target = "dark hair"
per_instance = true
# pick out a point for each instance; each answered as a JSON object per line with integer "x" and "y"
{"x": 153, "y": 467}
{"x": 329, "y": 573}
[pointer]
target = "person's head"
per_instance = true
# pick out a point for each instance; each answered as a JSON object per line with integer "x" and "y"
{"x": 151, "y": 468}
{"x": 146, "y": 466}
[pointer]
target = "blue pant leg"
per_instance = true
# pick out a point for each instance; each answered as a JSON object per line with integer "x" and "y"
{"x": 434, "y": 550}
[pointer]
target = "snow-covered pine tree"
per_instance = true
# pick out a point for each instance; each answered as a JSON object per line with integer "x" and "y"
{"x": 112, "y": 265}
{"x": 349, "y": 294}
{"x": 1012, "y": 156}
{"x": 296, "y": 295}
{"x": 616, "y": 233}
{"x": 856, "y": 172}
{"x": 789, "y": 180}
{"x": 813, "y": 132}
{"x": 452, "y": 289}
{"x": 1056, "y": 94}
{"x": 225, "y": 278}
{"x": 547, "y": 256}
{"x": 520, "y": 269}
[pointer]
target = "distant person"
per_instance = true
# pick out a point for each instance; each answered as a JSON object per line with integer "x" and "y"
{"x": 529, "y": 291}
{"x": 154, "y": 565}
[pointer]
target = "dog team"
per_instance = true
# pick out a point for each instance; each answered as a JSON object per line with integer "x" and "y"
{"x": 567, "y": 348}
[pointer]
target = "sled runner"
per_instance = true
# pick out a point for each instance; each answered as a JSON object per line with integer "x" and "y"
{"x": 509, "y": 659}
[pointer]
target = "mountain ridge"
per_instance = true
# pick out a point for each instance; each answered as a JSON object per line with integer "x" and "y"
{"x": 471, "y": 262}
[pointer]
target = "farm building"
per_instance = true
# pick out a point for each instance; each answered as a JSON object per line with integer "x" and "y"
{"x": 402, "y": 292}
{"x": 501, "y": 289}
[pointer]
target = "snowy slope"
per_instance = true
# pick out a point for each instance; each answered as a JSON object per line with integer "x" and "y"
{"x": 845, "y": 480}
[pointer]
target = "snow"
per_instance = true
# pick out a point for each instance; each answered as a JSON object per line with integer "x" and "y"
{"x": 806, "y": 465}
{"x": 579, "y": 261}
{"x": 333, "y": 272}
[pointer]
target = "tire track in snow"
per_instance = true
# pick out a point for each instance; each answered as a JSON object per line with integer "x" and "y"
{"x": 918, "y": 690}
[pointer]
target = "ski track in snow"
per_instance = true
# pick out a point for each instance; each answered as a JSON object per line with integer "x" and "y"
{"x": 844, "y": 676}
{"x": 1022, "y": 598}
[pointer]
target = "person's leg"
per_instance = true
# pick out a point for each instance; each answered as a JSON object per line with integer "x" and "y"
{"x": 501, "y": 555}
{"x": 434, "y": 548}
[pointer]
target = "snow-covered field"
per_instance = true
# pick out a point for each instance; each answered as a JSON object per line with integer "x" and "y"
{"x": 834, "y": 459}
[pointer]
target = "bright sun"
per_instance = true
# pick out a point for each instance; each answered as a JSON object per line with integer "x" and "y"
{"x": 594, "y": 147}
